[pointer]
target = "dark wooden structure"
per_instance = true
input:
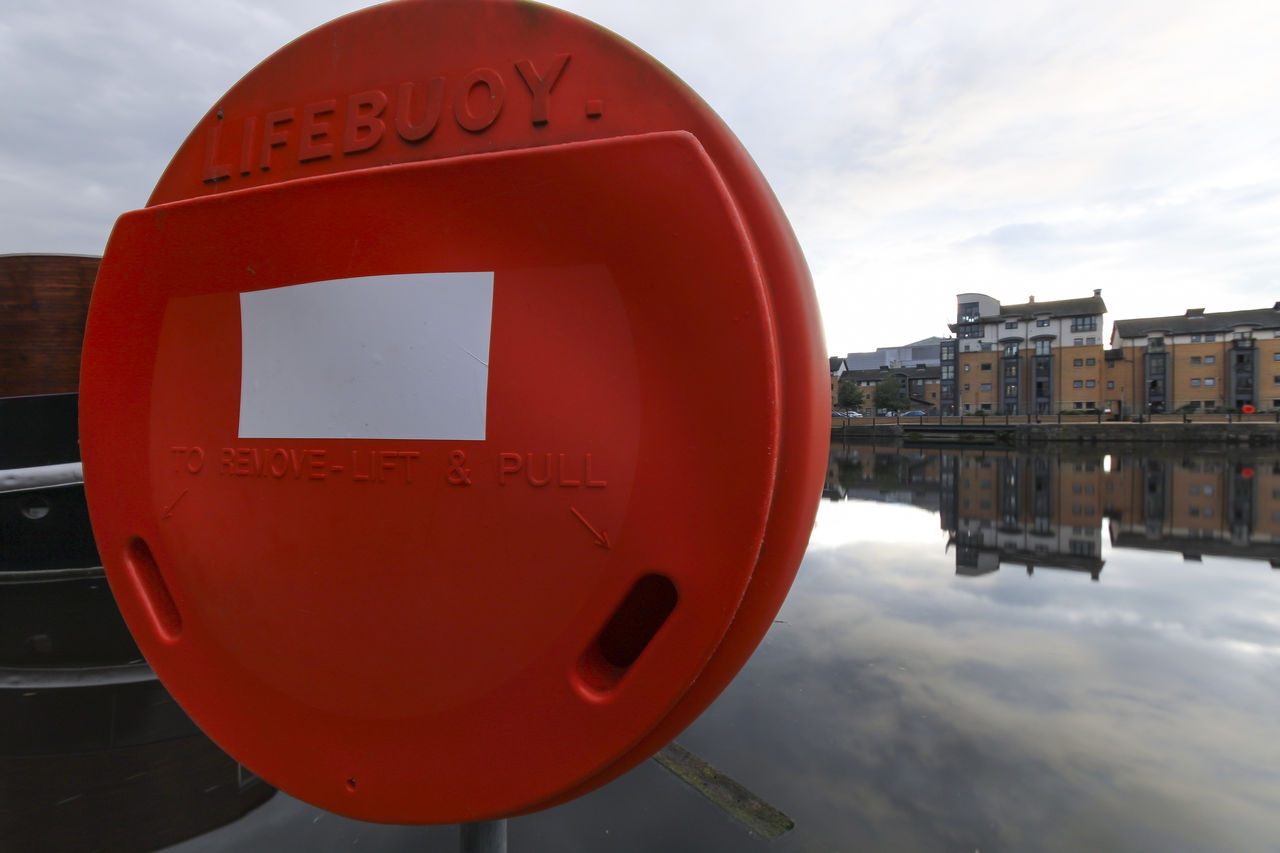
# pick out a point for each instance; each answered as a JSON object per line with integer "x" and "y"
{"x": 44, "y": 300}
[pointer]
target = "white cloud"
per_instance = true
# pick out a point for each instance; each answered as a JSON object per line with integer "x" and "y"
{"x": 909, "y": 142}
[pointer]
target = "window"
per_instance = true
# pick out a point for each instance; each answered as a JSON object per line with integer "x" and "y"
{"x": 1011, "y": 369}
{"x": 1210, "y": 381}
{"x": 1077, "y": 362}
{"x": 1011, "y": 324}
{"x": 985, "y": 386}
{"x": 1111, "y": 385}
{"x": 966, "y": 368}
{"x": 968, "y": 323}
{"x": 1042, "y": 322}
{"x": 1090, "y": 362}
{"x": 1195, "y": 359}
{"x": 1210, "y": 359}
{"x": 986, "y": 365}
{"x": 1090, "y": 341}
{"x": 1077, "y": 384}
{"x": 1195, "y": 339}
{"x": 1084, "y": 324}
{"x": 1275, "y": 356}
{"x": 1043, "y": 347}
{"x": 966, "y": 386}
{"x": 1195, "y": 383}
{"x": 1079, "y": 342}
{"x": 1208, "y": 339}
{"x": 986, "y": 407}
{"x": 1077, "y": 405}
{"x": 1010, "y": 390}
{"x": 1089, "y": 383}
{"x": 1010, "y": 350}
{"x": 948, "y": 371}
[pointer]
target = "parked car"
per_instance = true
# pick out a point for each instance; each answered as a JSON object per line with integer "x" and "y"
{"x": 914, "y": 413}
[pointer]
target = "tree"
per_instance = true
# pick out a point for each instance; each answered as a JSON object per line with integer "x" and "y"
{"x": 849, "y": 396}
{"x": 889, "y": 395}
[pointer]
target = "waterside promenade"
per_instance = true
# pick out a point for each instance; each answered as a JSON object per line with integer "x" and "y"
{"x": 1259, "y": 429}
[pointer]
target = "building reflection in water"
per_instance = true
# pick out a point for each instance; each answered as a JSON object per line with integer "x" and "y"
{"x": 1043, "y": 509}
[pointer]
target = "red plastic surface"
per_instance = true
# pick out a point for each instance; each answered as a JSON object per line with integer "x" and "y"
{"x": 418, "y": 630}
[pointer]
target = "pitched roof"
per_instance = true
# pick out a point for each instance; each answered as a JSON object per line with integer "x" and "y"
{"x": 835, "y": 361}
{"x": 1196, "y": 322}
{"x": 1056, "y": 308}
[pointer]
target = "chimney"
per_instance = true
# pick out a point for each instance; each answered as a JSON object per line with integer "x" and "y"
{"x": 1097, "y": 291}
{"x": 1031, "y": 300}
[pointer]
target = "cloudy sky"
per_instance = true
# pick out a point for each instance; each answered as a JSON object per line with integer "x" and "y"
{"x": 920, "y": 149}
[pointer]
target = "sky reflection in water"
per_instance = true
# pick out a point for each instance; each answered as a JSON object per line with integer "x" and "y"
{"x": 913, "y": 706}
{"x": 923, "y": 690}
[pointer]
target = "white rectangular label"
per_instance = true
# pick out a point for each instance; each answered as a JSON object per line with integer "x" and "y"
{"x": 387, "y": 356}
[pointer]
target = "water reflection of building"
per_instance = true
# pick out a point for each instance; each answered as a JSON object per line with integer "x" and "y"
{"x": 1222, "y": 506}
{"x": 885, "y": 474}
{"x": 1045, "y": 509}
{"x": 1028, "y": 510}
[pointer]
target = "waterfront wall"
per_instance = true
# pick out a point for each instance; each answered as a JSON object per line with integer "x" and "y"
{"x": 1207, "y": 430}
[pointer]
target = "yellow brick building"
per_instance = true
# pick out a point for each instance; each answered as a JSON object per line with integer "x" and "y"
{"x": 1197, "y": 361}
{"x": 1034, "y": 357}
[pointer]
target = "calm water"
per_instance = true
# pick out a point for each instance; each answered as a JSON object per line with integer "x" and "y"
{"x": 984, "y": 650}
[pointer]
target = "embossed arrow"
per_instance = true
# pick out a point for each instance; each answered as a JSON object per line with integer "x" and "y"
{"x": 168, "y": 511}
{"x": 602, "y": 536}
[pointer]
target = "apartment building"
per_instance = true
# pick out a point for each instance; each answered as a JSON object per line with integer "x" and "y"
{"x": 1034, "y": 357}
{"x": 919, "y": 384}
{"x": 1196, "y": 361}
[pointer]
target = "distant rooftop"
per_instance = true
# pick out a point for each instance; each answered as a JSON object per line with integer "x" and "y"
{"x": 1057, "y": 308}
{"x": 1196, "y": 321}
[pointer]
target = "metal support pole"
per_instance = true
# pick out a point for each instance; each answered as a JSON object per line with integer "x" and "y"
{"x": 489, "y": 836}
